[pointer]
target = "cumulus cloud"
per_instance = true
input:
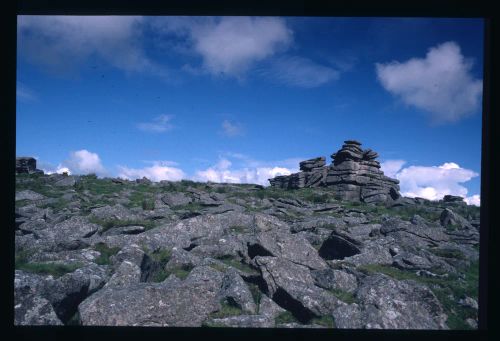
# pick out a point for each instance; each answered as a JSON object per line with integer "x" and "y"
{"x": 159, "y": 124}
{"x": 78, "y": 162}
{"x": 84, "y": 162}
{"x": 431, "y": 182}
{"x": 59, "y": 43}
{"x": 230, "y": 45}
{"x": 156, "y": 172}
{"x": 231, "y": 129}
{"x": 391, "y": 167}
{"x": 473, "y": 200}
{"x": 300, "y": 72}
{"x": 223, "y": 172}
{"x": 441, "y": 83}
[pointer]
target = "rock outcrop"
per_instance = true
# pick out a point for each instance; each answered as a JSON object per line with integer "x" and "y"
{"x": 26, "y": 165}
{"x": 354, "y": 175}
{"x": 238, "y": 255}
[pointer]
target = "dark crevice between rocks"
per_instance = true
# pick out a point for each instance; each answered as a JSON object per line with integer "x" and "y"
{"x": 68, "y": 306}
{"x": 149, "y": 268}
{"x": 187, "y": 215}
{"x": 257, "y": 250}
{"x": 337, "y": 248}
{"x": 190, "y": 247}
{"x": 284, "y": 300}
{"x": 258, "y": 281}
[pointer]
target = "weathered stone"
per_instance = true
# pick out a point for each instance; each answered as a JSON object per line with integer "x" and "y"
{"x": 29, "y": 195}
{"x": 31, "y": 309}
{"x": 235, "y": 289}
{"x": 176, "y": 199}
{"x": 292, "y": 286}
{"x": 388, "y": 303}
{"x": 170, "y": 303}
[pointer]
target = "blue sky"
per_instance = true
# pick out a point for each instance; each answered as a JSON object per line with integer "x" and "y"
{"x": 242, "y": 99}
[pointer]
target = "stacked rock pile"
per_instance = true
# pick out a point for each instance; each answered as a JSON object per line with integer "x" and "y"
{"x": 354, "y": 175}
{"x": 26, "y": 165}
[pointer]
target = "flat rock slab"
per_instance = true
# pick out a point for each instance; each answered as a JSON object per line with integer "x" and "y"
{"x": 29, "y": 195}
{"x": 391, "y": 304}
{"x": 170, "y": 303}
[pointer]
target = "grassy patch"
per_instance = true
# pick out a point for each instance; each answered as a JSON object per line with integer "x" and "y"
{"x": 97, "y": 186}
{"x": 237, "y": 229}
{"x": 218, "y": 267}
{"x": 227, "y": 309}
{"x": 54, "y": 269}
{"x": 148, "y": 204}
{"x": 57, "y": 206}
{"x": 181, "y": 272}
{"x": 448, "y": 253}
{"x": 105, "y": 253}
{"x": 23, "y": 202}
{"x": 111, "y": 223}
{"x": 285, "y": 317}
{"x": 447, "y": 290}
{"x": 256, "y": 293}
{"x": 326, "y": 321}
{"x": 344, "y": 296}
{"x": 75, "y": 320}
{"x": 228, "y": 260}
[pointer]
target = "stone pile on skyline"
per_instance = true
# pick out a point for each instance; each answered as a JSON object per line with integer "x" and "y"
{"x": 26, "y": 165}
{"x": 354, "y": 175}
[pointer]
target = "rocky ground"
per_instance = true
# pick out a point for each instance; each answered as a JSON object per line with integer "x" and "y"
{"x": 112, "y": 252}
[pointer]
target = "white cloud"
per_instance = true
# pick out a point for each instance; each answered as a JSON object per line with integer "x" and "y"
{"x": 59, "y": 43}
{"x": 50, "y": 169}
{"x": 231, "y": 128}
{"x": 23, "y": 93}
{"x": 300, "y": 72}
{"x": 230, "y": 45}
{"x": 159, "y": 171}
{"x": 473, "y": 200}
{"x": 222, "y": 172}
{"x": 432, "y": 182}
{"x": 440, "y": 83}
{"x": 159, "y": 124}
{"x": 84, "y": 162}
{"x": 391, "y": 167}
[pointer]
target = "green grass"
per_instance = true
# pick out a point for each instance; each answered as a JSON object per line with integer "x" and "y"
{"x": 97, "y": 186}
{"x": 285, "y": 317}
{"x": 448, "y": 253}
{"x": 326, "y": 321}
{"x": 45, "y": 268}
{"x": 148, "y": 204}
{"x": 237, "y": 229}
{"x": 75, "y": 320}
{"x": 230, "y": 261}
{"x": 344, "y": 296}
{"x": 181, "y": 272}
{"x": 227, "y": 309}
{"x": 443, "y": 288}
{"x": 111, "y": 223}
{"x": 256, "y": 293}
{"x": 218, "y": 267}
{"x": 105, "y": 253}
{"x": 57, "y": 206}
{"x": 23, "y": 202}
